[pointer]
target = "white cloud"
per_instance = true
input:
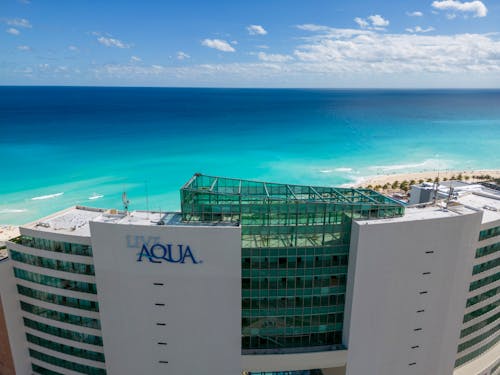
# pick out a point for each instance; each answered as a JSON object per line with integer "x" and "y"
{"x": 182, "y": 55}
{"x": 418, "y": 29}
{"x": 378, "y": 21}
{"x": 19, "y": 22}
{"x": 256, "y": 30}
{"x": 24, "y": 48}
{"x": 218, "y": 44}
{"x": 73, "y": 48}
{"x": 135, "y": 59}
{"x": 476, "y": 8}
{"x": 414, "y": 14}
{"x": 270, "y": 57}
{"x": 373, "y": 22}
{"x": 361, "y": 22}
{"x": 112, "y": 42}
{"x": 336, "y": 50}
{"x": 12, "y": 31}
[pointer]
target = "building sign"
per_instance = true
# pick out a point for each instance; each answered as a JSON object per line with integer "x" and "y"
{"x": 156, "y": 252}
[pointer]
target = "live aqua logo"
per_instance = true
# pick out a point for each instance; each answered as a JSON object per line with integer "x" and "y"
{"x": 157, "y": 252}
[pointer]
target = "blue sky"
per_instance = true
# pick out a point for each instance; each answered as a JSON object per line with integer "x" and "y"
{"x": 273, "y": 43}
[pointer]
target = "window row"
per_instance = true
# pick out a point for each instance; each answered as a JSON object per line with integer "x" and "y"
{"x": 292, "y": 272}
{"x": 476, "y": 327}
{"x": 66, "y": 349}
{"x": 61, "y": 317}
{"x": 486, "y": 266}
{"x": 291, "y": 331}
{"x": 283, "y": 302}
{"x": 43, "y": 371}
{"x": 57, "y": 246}
{"x": 77, "y": 286}
{"x": 293, "y": 282}
{"x": 325, "y": 251}
{"x": 89, "y": 370}
{"x": 296, "y": 341}
{"x": 293, "y": 321}
{"x": 487, "y": 250}
{"x": 58, "y": 300}
{"x": 482, "y": 297}
{"x": 483, "y": 310}
{"x": 476, "y": 353}
{"x": 294, "y": 262}
{"x": 293, "y": 229}
{"x": 484, "y": 281}
{"x": 282, "y": 312}
{"x": 479, "y": 338}
{"x": 58, "y": 265}
{"x": 291, "y": 241}
{"x": 304, "y": 292}
{"x": 488, "y": 233}
{"x": 64, "y": 333}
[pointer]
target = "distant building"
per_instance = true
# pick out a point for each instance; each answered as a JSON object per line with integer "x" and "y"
{"x": 258, "y": 277}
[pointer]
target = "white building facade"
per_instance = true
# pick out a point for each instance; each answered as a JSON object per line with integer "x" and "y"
{"x": 90, "y": 291}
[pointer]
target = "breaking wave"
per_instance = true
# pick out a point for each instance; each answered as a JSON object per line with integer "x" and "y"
{"x": 50, "y": 196}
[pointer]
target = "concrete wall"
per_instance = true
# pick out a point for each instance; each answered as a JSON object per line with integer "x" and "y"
{"x": 186, "y": 314}
{"x": 407, "y": 288}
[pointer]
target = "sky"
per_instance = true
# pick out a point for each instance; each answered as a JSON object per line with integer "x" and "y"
{"x": 259, "y": 43}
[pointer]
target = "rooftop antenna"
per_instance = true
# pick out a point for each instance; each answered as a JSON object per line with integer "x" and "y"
{"x": 125, "y": 202}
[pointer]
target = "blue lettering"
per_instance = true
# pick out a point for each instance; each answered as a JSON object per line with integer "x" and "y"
{"x": 163, "y": 252}
{"x": 145, "y": 253}
{"x": 159, "y": 252}
{"x": 189, "y": 254}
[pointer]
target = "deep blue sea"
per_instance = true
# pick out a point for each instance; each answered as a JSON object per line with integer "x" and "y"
{"x": 60, "y": 146}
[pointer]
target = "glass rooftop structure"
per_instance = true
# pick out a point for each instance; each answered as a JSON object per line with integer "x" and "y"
{"x": 295, "y": 250}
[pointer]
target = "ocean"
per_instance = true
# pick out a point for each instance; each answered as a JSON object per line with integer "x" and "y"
{"x": 62, "y": 146}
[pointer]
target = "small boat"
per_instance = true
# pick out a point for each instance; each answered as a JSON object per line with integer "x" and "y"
{"x": 95, "y": 196}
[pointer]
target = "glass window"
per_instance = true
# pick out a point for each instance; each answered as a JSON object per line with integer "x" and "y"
{"x": 64, "y": 333}
{"x": 66, "y": 364}
{"x": 59, "y": 265}
{"x": 57, "y": 299}
{"x": 57, "y": 246}
{"x": 61, "y": 317}
{"x": 77, "y": 286}
{"x": 43, "y": 371}
{"x": 66, "y": 349}
{"x": 488, "y": 233}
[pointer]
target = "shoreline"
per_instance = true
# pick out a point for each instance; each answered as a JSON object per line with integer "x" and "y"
{"x": 448, "y": 174}
{"x": 8, "y": 232}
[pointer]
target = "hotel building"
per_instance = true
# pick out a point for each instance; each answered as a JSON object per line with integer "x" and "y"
{"x": 255, "y": 277}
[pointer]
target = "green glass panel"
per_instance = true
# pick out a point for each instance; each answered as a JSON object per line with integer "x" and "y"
{"x": 295, "y": 244}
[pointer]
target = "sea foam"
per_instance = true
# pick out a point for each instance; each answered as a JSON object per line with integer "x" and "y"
{"x": 428, "y": 164}
{"x": 50, "y": 196}
{"x": 12, "y": 210}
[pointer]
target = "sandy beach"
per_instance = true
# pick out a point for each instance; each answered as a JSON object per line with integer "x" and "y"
{"x": 390, "y": 178}
{"x": 7, "y": 232}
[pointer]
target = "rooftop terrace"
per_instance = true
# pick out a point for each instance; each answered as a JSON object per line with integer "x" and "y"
{"x": 248, "y": 191}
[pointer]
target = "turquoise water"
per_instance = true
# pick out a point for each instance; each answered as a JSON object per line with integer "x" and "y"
{"x": 64, "y": 145}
